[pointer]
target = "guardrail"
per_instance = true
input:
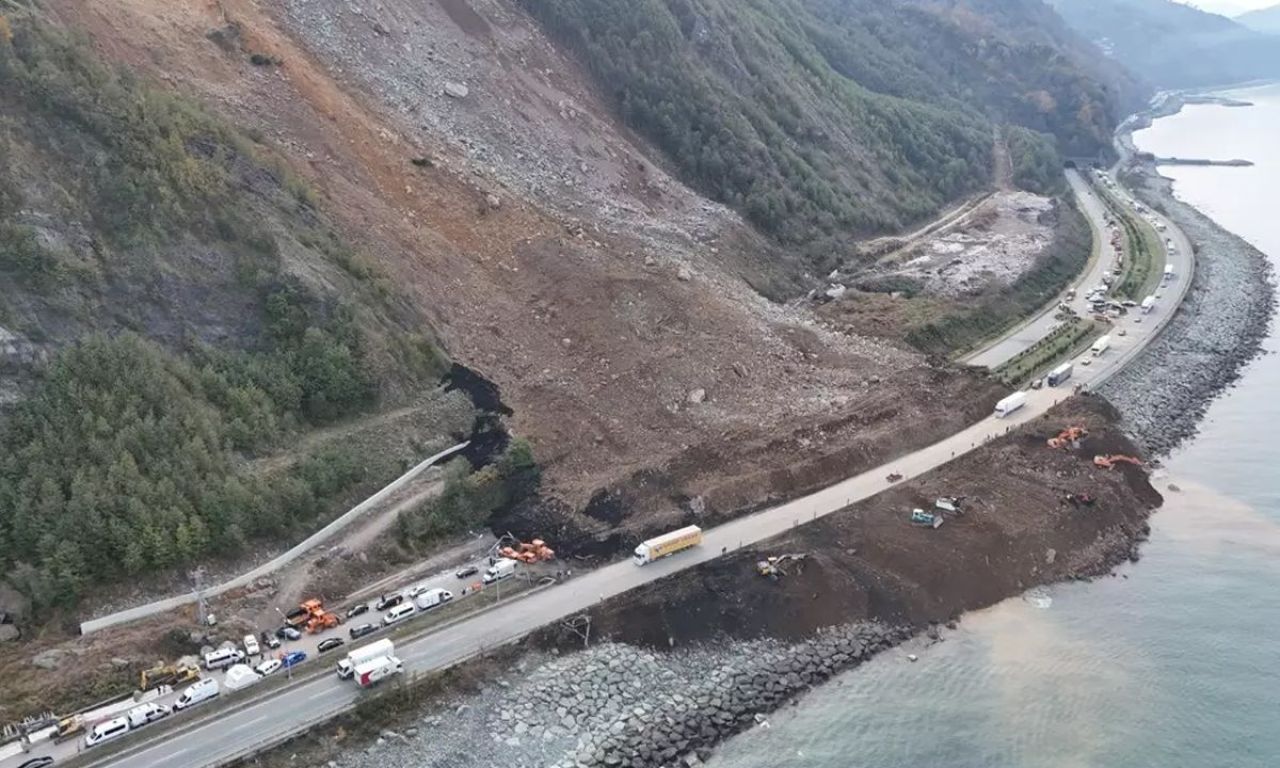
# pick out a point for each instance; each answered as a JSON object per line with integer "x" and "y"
{"x": 170, "y": 603}
{"x": 112, "y": 751}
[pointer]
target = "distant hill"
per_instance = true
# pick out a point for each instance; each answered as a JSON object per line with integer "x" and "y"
{"x": 823, "y": 119}
{"x": 1262, "y": 20}
{"x": 1174, "y": 45}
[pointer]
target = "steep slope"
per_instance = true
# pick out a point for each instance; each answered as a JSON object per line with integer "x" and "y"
{"x": 820, "y": 119}
{"x": 1262, "y": 20}
{"x": 174, "y": 303}
{"x": 1174, "y": 45}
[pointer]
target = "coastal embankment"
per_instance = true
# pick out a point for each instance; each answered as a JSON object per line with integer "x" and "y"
{"x": 1217, "y": 331}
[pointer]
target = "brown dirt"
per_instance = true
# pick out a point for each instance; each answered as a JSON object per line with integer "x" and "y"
{"x": 869, "y": 562}
{"x": 595, "y": 348}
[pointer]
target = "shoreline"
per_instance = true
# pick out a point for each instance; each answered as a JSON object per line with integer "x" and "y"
{"x": 1219, "y": 329}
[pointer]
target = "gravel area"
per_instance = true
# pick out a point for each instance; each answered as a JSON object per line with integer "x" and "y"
{"x": 1219, "y": 328}
{"x": 618, "y": 705}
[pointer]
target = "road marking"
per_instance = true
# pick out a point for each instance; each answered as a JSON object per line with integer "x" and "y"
{"x": 251, "y": 722}
{"x": 317, "y": 695}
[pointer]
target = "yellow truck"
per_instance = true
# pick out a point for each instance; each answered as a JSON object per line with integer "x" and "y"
{"x": 668, "y": 544}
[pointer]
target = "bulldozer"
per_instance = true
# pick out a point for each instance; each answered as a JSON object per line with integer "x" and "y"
{"x": 1107, "y": 462}
{"x": 535, "y": 551}
{"x": 1067, "y": 436}
{"x": 318, "y": 619}
{"x": 166, "y": 674}
{"x": 776, "y": 567}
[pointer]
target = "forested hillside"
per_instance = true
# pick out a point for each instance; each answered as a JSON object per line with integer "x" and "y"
{"x": 821, "y": 119}
{"x": 1175, "y": 45}
{"x": 173, "y": 304}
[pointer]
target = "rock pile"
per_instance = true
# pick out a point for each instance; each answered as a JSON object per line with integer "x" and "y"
{"x": 1217, "y": 330}
{"x": 617, "y": 705}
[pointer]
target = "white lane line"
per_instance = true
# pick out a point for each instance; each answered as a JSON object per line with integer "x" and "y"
{"x": 249, "y": 723}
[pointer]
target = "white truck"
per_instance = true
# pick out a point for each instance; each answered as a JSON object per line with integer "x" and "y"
{"x": 1010, "y": 404}
{"x": 375, "y": 650}
{"x": 504, "y": 568}
{"x": 1059, "y": 374}
{"x": 1148, "y": 303}
{"x": 667, "y": 544}
{"x": 1168, "y": 272}
{"x": 370, "y": 672}
{"x": 432, "y": 598}
{"x": 1101, "y": 345}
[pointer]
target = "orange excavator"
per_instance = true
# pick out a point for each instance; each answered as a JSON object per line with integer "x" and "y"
{"x": 535, "y": 551}
{"x": 1107, "y": 462}
{"x": 1067, "y": 437}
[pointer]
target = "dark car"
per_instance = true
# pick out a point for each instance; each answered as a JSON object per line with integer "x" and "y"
{"x": 467, "y": 570}
{"x": 270, "y": 640}
{"x": 292, "y": 658}
{"x": 356, "y": 610}
{"x": 330, "y": 644}
{"x": 362, "y": 630}
{"x": 38, "y": 762}
{"x": 389, "y": 601}
{"x": 288, "y": 633}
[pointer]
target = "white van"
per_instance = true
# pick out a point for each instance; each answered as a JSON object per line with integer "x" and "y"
{"x": 147, "y": 713}
{"x": 401, "y": 611}
{"x": 197, "y": 692}
{"x": 106, "y": 730}
{"x": 222, "y": 658}
{"x": 431, "y": 598}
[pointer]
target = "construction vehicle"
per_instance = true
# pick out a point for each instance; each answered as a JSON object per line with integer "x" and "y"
{"x": 69, "y": 728}
{"x": 535, "y": 551}
{"x": 1079, "y": 499}
{"x": 926, "y": 519}
{"x": 1107, "y": 462}
{"x": 776, "y": 567}
{"x": 167, "y": 674}
{"x": 949, "y": 503}
{"x": 1067, "y": 437}
{"x": 318, "y": 618}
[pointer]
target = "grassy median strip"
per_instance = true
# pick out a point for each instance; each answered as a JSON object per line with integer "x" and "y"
{"x": 1145, "y": 260}
{"x": 1062, "y": 342}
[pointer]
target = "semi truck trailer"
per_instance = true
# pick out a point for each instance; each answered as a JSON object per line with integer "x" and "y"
{"x": 668, "y": 544}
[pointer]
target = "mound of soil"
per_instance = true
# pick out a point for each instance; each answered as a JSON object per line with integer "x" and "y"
{"x": 1015, "y": 529}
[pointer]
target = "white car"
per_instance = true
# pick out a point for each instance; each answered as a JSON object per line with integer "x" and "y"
{"x": 251, "y": 645}
{"x": 415, "y": 590}
{"x": 268, "y": 667}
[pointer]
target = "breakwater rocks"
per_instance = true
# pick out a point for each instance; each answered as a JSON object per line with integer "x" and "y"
{"x": 618, "y": 705}
{"x": 1217, "y": 331}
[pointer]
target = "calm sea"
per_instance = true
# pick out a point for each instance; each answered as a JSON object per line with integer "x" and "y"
{"x": 1175, "y": 661}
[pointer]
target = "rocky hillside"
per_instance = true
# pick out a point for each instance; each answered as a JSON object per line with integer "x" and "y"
{"x": 1175, "y": 45}
{"x": 823, "y": 118}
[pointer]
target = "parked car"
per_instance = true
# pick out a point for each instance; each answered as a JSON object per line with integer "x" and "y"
{"x": 288, "y": 633}
{"x": 356, "y": 610}
{"x": 223, "y": 658}
{"x": 251, "y": 645}
{"x": 362, "y": 630}
{"x": 416, "y": 590}
{"x": 467, "y": 570}
{"x": 292, "y": 658}
{"x": 269, "y": 640}
{"x": 268, "y": 667}
{"x": 330, "y": 644}
{"x": 105, "y": 731}
{"x": 389, "y": 601}
{"x": 201, "y": 690}
{"x": 38, "y": 762}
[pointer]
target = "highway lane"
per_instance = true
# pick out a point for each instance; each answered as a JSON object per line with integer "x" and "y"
{"x": 1027, "y": 334}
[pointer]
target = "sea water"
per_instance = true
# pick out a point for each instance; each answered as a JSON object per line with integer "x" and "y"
{"x": 1174, "y": 661}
